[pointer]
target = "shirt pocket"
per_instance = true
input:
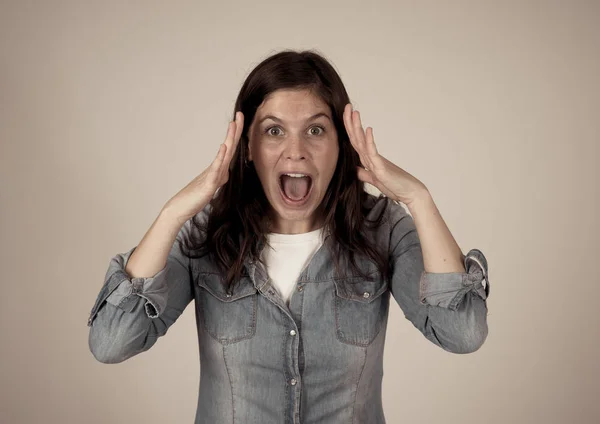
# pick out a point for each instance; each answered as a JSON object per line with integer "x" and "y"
{"x": 360, "y": 308}
{"x": 227, "y": 317}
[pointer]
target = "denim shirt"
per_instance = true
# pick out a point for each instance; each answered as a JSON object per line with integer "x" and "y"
{"x": 318, "y": 360}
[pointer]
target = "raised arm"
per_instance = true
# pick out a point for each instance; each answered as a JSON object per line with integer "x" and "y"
{"x": 449, "y": 308}
{"x": 147, "y": 288}
{"x": 141, "y": 299}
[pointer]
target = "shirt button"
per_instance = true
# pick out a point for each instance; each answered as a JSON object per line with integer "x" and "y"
{"x": 300, "y": 288}
{"x": 366, "y": 295}
{"x": 293, "y": 381}
{"x": 293, "y": 332}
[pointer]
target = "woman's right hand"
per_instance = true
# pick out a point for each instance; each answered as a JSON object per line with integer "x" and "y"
{"x": 198, "y": 193}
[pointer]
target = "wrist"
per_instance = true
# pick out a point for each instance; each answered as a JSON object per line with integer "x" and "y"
{"x": 422, "y": 199}
{"x": 170, "y": 214}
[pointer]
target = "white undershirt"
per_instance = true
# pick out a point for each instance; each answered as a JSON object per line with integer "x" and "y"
{"x": 287, "y": 256}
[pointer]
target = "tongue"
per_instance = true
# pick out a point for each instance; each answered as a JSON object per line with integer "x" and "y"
{"x": 295, "y": 188}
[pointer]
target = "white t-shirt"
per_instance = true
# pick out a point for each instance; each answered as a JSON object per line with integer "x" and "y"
{"x": 287, "y": 257}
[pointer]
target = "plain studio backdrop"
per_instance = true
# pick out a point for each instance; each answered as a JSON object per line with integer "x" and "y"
{"x": 108, "y": 109}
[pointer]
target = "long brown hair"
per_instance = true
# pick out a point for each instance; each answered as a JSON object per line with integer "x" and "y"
{"x": 238, "y": 222}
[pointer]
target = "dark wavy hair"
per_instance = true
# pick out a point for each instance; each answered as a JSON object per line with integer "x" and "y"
{"x": 239, "y": 218}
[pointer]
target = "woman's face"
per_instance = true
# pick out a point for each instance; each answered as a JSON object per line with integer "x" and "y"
{"x": 294, "y": 146}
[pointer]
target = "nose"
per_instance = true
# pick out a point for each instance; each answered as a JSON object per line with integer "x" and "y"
{"x": 295, "y": 148}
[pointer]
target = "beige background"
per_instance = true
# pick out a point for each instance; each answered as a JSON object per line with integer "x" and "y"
{"x": 108, "y": 109}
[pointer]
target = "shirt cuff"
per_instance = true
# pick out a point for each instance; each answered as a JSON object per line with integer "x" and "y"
{"x": 448, "y": 289}
{"x": 124, "y": 292}
{"x": 152, "y": 289}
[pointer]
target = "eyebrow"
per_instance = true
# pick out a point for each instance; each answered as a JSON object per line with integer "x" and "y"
{"x": 276, "y": 119}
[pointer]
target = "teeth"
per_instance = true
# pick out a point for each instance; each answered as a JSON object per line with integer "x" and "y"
{"x": 296, "y": 175}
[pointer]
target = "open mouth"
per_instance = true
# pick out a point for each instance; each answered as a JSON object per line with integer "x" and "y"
{"x": 295, "y": 188}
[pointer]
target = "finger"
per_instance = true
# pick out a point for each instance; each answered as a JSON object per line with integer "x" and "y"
{"x": 239, "y": 119}
{"x": 359, "y": 136}
{"x": 230, "y": 132}
{"x": 216, "y": 165}
{"x": 229, "y": 139}
{"x": 348, "y": 123}
{"x": 359, "y": 132}
{"x": 351, "y": 117}
{"x": 376, "y": 161}
{"x": 238, "y": 132}
{"x": 370, "y": 143}
{"x": 239, "y": 128}
{"x": 359, "y": 139}
{"x": 367, "y": 144}
{"x": 350, "y": 129}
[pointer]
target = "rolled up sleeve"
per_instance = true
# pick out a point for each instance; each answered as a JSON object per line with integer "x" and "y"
{"x": 130, "y": 314}
{"x": 447, "y": 290}
{"x": 450, "y": 309}
{"x": 153, "y": 290}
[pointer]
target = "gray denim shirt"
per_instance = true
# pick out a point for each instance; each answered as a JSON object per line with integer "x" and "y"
{"x": 320, "y": 360}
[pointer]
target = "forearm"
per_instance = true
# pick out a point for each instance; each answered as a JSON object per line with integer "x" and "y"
{"x": 151, "y": 254}
{"x": 135, "y": 307}
{"x": 444, "y": 301}
{"x": 440, "y": 251}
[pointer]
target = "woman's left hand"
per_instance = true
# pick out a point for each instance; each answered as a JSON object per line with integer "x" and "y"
{"x": 394, "y": 182}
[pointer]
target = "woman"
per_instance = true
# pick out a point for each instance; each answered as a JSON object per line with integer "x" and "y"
{"x": 291, "y": 263}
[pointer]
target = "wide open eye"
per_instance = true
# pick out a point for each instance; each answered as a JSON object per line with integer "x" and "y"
{"x": 268, "y": 131}
{"x": 319, "y": 127}
{"x": 322, "y": 130}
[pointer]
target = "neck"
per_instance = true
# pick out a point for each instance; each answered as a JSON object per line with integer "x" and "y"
{"x": 280, "y": 226}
